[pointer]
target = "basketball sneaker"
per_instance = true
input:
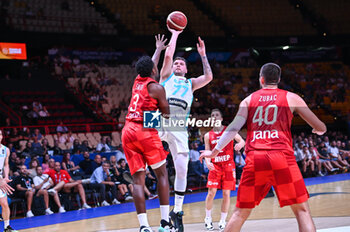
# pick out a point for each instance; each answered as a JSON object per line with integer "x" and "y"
{"x": 176, "y": 219}
{"x": 222, "y": 225}
{"x": 10, "y": 229}
{"x": 105, "y": 203}
{"x": 145, "y": 229}
{"x": 165, "y": 226}
{"x": 208, "y": 223}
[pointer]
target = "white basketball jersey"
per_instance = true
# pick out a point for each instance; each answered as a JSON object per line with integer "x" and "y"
{"x": 179, "y": 95}
{"x": 3, "y": 154}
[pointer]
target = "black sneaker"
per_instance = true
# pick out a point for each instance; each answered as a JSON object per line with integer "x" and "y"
{"x": 165, "y": 226}
{"x": 10, "y": 229}
{"x": 145, "y": 229}
{"x": 176, "y": 219}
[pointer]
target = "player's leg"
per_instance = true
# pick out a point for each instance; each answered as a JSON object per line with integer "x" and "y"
{"x": 208, "y": 221}
{"x": 163, "y": 193}
{"x": 5, "y": 212}
{"x": 237, "y": 219}
{"x": 302, "y": 213}
{"x": 228, "y": 184}
{"x": 224, "y": 208}
{"x": 139, "y": 197}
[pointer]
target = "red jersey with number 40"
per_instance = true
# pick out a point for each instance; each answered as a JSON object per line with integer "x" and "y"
{"x": 269, "y": 121}
{"x": 226, "y": 155}
{"x": 141, "y": 100}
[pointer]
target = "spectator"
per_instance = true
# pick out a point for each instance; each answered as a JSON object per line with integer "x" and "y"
{"x": 32, "y": 165}
{"x": 56, "y": 149}
{"x": 97, "y": 162}
{"x": 336, "y": 157}
{"x": 307, "y": 160}
{"x": 101, "y": 178}
{"x": 28, "y": 151}
{"x": 315, "y": 159}
{"x": 86, "y": 164}
{"x": 37, "y": 148}
{"x": 45, "y": 163}
{"x": 43, "y": 182}
{"x": 324, "y": 159}
{"x": 37, "y": 135}
{"x": 25, "y": 188}
{"x": 69, "y": 166}
{"x": 61, "y": 128}
{"x": 85, "y": 147}
{"x": 109, "y": 144}
{"x": 120, "y": 153}
{"x": 195, "y": 164}
{"x": 45, "y": 146}
{"x": 125, "y": 168}
{"x": 102, "y": 146}
{"x": 76, "y": 147}
{"x": 58, "y": 175}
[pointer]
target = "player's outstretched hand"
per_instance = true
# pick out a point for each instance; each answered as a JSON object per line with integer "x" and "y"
{"x": 174, "y": 31}
{"x": 317, "y": 132}
{"x": 205, "y": 154}
{"x": 239, "y": 145}
{"x": 160, "y": 42}
{"x": 5, "y": 187}
{"x": 201, "y": 47}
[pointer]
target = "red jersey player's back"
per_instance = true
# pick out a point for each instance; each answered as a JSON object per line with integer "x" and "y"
{"x": 226, "y": 155}
{"x": 141, "y": 100}
{"x": 269, "y": 121}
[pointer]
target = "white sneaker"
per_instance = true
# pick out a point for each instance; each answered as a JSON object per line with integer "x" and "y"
{"x": 48, "y": 211}
{"x": 86, "y": 206}
{"x": 129, "y": 198}
{"x": 222, "y": 225}
{"x": 61, "y": 210}
{"x": 86, "y": 181}
{"x": 30, "y": 214}
{"x": 115, "y": 202}
{"x": 320, "y": 173}
{"x": 105, "y": 203}
{"x": 52, "y": 192}
{"x": 208, "y": 223}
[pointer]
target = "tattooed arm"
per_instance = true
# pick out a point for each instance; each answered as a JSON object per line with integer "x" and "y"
{"x": 203, "y": 80}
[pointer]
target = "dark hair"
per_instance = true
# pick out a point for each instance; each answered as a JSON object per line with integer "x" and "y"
{"x": 180, "y": 58}
{"x": 121, "y": 160}
{"x": 65, "y": 158}
{"x": 271, "y": 73}
{"x": 106, "y": 162}
{"x": 216, "y": 109}
{"x": 144, "y": 66}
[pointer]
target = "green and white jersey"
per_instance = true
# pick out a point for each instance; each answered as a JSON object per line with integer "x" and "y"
{"x": 3, "y": 154}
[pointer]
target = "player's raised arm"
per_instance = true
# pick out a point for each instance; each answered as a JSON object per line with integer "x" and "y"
{"x": 157, "y": 91}
{"x": 160, "y": 46}
{"x": 166, "y": 70}
{"x": 204, "y": 79}
{"x": 297, "y": 104}
{"x": 231, "y": 130}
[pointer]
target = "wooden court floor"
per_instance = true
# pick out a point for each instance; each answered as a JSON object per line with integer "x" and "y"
{"x": 329, "y": 203}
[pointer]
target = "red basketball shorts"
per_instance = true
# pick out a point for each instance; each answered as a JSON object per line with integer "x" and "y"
{"x": 271, "y": 168}
{"x": 141, "y": 146}
{"x": 223, "y": 177}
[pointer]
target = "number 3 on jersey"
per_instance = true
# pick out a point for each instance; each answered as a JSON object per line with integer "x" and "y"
{"x": 135, "y": 99}
{"x": 258, "y": 115}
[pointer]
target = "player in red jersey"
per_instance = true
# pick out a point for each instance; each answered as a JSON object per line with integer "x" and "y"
{"x": 222, "y": 173}
{"x": 142, "y": 146}
{"x": 270, "y": 160}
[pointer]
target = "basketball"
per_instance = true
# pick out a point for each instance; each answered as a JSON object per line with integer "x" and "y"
{"x": 177, "y": 20}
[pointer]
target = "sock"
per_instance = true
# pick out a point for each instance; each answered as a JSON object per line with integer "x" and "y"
{"x": 208, "y": 213}
{"x": 143, "y": 219}
{"x": 6, "y": 223}
{"x": 164, "y": 212}
{"x": 179, "y": 200}
{"x": 223, "y": 216}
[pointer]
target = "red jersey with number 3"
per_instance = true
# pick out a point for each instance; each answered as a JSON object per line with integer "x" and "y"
{"x": 269, "y": 121}
{"x": 141, "y": 100}
{"x": 226, "y": 155}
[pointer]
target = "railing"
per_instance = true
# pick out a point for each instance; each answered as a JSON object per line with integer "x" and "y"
{"x": 11, "y": 114}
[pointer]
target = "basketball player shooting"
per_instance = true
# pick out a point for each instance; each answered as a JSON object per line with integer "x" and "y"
{"x": 270, "y": 159}
{"x": 179, "y": 93}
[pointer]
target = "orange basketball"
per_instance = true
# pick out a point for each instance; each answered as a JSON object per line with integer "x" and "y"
{"x": 177, "y": 20}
